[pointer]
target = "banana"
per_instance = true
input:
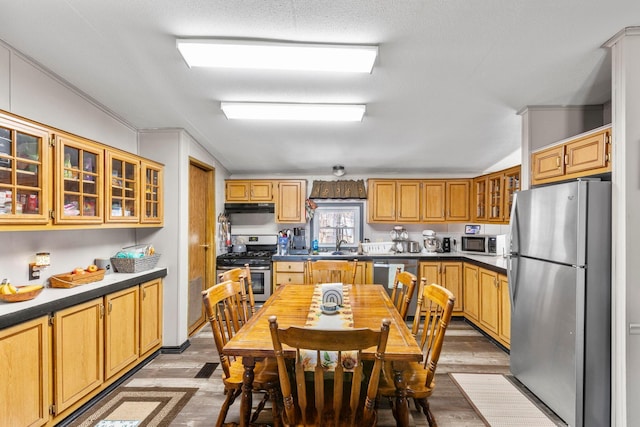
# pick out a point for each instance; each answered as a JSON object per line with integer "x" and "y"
{"x": 12, "y": 289}
{"x": 4, "y": 289}
{"x": 29, "y": 288}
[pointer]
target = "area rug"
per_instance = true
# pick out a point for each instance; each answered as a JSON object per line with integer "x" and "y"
{"x": 499, "y": 402}
{"x": 137, "y": 407}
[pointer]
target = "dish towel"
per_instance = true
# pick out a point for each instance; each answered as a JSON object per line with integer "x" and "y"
{"x": 392, "y": 274}
{"x": 343, "y": 319}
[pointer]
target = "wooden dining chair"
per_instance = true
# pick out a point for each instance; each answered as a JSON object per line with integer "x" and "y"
{"x": 331, "y": 271}
{"x": 243, "y": 275}
{"x": 318, "y": 406}
{"x": 224, "y": 309}
{"x": 404, "y": 286}
{"x": 433, "y": 313}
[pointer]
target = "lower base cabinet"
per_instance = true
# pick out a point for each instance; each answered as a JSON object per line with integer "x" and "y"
{"x": 447, "y": 274}
{"x": 26, "y": 373}
{"x": 487, "y": 302}
{"x": 54, "y": 364}
{"x": 295, "y": 271}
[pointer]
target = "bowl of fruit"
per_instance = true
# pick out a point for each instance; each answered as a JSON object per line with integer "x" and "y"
{"x": 79, "y": 276}
{"x": 11, "y": 293}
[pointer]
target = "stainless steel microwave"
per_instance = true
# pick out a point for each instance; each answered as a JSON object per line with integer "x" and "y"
{"x": 479, "y": 244}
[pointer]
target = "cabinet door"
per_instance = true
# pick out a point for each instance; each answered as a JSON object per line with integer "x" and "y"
{"x": 152, "y": 209}
{"x": 237, "y": 191}
{"x": 79, "y": 181}
{"x": 457, "y": 200}
{"x": 511, "y": 185}
{"x": 261, "y": 191}
{"x": 408, "y": 201}
{"x": 364, "y": 273}
{"x": 290, "y": 206}
{"x": 121, "y": 330}
{"x": 505, "y": 310}
{"x": 496, "y": 202}
{"x": 547, "y": 163}
{"x": 471, "y": 292}
{"x": 24, "y": 173}
{"x": 24, "y": 377}
{"x": 489, "y": 300}
{"x": 587, "y": 153}
{"x": 433, "y": 201}
{"x": 78, "y": 352}
{"x": 431, "y": 271}
{"x": 123, "y": 187}
{"x": 381, "y": 201}
{"x": 480, "y": 198}
{"x": 150, "y": 316}
{"x": 451, "y": 273}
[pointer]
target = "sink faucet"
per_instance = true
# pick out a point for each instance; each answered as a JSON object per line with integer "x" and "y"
{"x": 339, "y": 243}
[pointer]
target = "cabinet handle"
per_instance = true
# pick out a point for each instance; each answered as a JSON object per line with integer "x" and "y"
{"x": 557, "y": 162}
{"x": 566, "y": 159}
{"x": 144, "y": 294}
{"x": 110, "y": 307}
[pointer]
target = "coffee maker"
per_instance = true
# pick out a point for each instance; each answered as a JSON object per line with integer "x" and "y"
{"x": 299, "y": 242}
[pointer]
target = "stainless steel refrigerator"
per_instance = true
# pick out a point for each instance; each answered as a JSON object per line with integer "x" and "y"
{"x": 560, "y": 288}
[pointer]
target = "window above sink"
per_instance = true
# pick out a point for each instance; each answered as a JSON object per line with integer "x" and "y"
{"x": 336, "y": 222}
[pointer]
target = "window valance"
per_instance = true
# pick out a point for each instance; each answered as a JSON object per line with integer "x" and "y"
{"x": 344, "y": 189}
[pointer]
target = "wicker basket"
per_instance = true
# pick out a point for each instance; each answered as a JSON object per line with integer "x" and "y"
{"x": 73, "y": 280}
{"x": 21, "y": 296}
{"x": 135, "y": 265}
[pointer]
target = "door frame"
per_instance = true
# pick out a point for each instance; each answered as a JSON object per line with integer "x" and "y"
{"x": 210, "y": 226}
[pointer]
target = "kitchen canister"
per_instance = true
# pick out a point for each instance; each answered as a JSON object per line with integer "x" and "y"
{"x": 104, "y": 264}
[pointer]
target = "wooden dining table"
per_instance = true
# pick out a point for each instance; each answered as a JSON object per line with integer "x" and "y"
{"x": 291, "y": 302}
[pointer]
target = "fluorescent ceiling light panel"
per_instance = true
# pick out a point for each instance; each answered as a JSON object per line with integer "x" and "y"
{"x": 277, "y": 55}
{"x": 283, "y": 111}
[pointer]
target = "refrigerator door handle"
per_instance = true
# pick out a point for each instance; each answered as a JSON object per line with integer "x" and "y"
{"x": 512, "y": 278}
{"x": 514, "y": 227}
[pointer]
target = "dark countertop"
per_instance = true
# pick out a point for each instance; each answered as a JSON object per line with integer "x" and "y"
{"x": 55, "y": 299}
{"x": 493, "y": 263}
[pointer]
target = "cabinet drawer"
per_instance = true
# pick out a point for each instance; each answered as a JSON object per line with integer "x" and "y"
{"x": 285, "y": 278}
{"x": 289, "y": 267}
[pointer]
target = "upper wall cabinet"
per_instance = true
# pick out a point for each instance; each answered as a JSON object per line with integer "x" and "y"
{"x": 153, "y": 182}
{"x": 123, "y": 187}
{"x": 418, "y": 201}
{"x": 25, "y": 171}
{"x": 586, "y": 154}
{"x": 238, "y": 191}
{"x": 78, "y": 181}
{"x": 290, "y": 202}
{"x": 52, "y": 178}
{"x": 493, "y": 195}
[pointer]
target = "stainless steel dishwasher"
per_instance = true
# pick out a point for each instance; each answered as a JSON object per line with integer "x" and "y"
{"x": 384, "y": 271}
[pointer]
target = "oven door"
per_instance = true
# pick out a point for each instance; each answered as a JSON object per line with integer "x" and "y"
{"x": 260, "y": 281}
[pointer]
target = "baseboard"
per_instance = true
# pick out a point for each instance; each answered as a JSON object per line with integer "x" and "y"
{"x": 176, "y": 349}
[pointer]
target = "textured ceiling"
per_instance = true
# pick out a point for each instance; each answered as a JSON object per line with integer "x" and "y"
{"x": 442, "y": 98}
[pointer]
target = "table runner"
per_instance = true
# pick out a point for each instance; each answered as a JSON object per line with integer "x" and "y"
{"x": 341, "y": 320}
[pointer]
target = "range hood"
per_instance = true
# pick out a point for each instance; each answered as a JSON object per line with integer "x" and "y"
{"x": 232, "y": 208}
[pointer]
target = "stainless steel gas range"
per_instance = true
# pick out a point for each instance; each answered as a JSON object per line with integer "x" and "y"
{"x": 259, "y": 250}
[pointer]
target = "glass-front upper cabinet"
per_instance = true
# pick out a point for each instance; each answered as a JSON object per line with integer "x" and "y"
{"x": 24, "y": 172}
{"x": 79, "y": 179}
{"x": 152, "y": 184}
{"x": 123, "y": 186}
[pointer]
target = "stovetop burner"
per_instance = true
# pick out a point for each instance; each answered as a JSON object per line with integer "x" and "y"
{"x": 249, "y": 254}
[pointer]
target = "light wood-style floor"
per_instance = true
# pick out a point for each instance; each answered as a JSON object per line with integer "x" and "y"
{"x": 465, "y": 350}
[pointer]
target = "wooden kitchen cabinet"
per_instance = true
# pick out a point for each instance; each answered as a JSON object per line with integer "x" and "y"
{"x": 408, "y": 201}
{"x": 447, "y": 274}
{"x": 25, "y": 374}
{"x": 434, "y": 201}
{"x": 290, "y": 201}
{"x": 504, "y": 332}
{"x": 249, "y": 191}
{"x": 479, "y": 189}
{"x": 78, "y": 352}
{"x": 586, "y": 154}
{"x": 501, "y": 187}
{"x": 489, "y": 315}
{"x": 511, "y": 185}
{"x": 471, "y": 292}
{"x": 152, "y": 202}
{"x": 123, "y": 187}
{"x": 381, "y": 200}
{"x": 150, "y": 317}
{"x": 457, "y": 200}
{"x": 79, "y": 181}
{"x": 121, "y": 330}
{"x": 285, "y": 272}
{"x": 25, "y": 170}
